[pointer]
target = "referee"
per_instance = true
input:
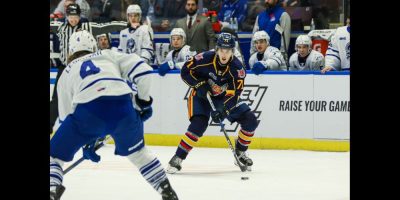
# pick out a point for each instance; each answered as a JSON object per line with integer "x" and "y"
{"x": 72, "y": 24}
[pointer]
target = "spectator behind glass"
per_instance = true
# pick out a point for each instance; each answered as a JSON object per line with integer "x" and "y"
{"x": 255, "y": 7}
{"x": 168, "y": 13}
{"x": 233, "y": 9}
{"x": 198, "y": 29}
{"x": 209, "y": 5}
{"x": 338, "y": 53}
{"x": 83, "y": 4}
{"x": 114, "y": 10}
{"x": 275, "y": 21}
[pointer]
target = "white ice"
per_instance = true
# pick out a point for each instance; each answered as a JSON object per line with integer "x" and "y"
{"x": 209, "y": 174}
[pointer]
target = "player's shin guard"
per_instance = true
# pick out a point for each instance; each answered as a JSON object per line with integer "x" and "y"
{"x": 56, "y": 178}
{"x": 244, "y": 140}
{"x": 188, "y": 141}
{"x": 151, "y": 169}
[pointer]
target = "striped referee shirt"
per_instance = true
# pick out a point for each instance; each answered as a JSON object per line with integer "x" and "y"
{"x": 64, "y": 32}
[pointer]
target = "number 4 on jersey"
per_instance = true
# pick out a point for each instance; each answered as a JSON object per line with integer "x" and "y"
{"x": 88, "y": 68}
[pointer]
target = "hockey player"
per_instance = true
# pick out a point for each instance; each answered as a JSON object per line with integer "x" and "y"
{"x": 338, "y": 54}
{"x": 104, "y": 41}
{"x": 267, "y": 57}
{"x": 222, "y": 75}
{"x": 95, "y": 100}
{"x": 180, "y": 53}
{"x": 137, "y": 37}
{"x": 305, "y": 58}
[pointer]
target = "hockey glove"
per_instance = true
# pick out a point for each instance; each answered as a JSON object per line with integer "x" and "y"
{"x": 89, "y": 151}
{"x": 165, "y": 67}
{"x": 219, "y": 115}
{"x": 145, "y": 106}
{"x": 258, "y": 68}
{"x": 202, "y": 88}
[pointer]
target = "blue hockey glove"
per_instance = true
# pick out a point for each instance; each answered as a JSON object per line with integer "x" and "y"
{"x": 145, "y": 106}
{"x": 89, "y": 151}
{"x": 258, "y": 68}
{"x": 165, "y": 67}
{"x": 218, "y": 115}
{"x": 202, "y": 88}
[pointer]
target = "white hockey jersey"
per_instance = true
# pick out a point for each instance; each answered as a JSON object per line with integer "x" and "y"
{"x": 272, "y": 59}
{"x": 338, "y": 53}
{"x": 103, "y": 73}
{"x": 180, "y": 59}
{"x": 137, "y": 41}
{"x": 314, "y": 61}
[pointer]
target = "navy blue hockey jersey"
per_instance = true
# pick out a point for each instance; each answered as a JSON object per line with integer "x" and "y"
{"x": 224, "y": 81}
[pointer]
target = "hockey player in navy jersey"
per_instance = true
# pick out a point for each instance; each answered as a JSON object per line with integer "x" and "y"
{"x": 222, "y": 75}
{"x": 95, "y": 100}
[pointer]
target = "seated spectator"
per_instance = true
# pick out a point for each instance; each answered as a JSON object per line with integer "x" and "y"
{"x": 305, "y": 58}
{"x": 338, "y": 53}
{"x": 137, "y": 38}
{"x": 254, "y": 8}
{"x": 62, "y": 6}
{"x": 233, "y": 9}
{"x": 267, "y": 57}
{"x": 171, "y": 11}
{"x": 114, "y": 10}
{"x": 180, "y": 53}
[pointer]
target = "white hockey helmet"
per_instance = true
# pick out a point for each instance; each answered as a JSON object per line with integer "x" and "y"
{"x": 178, "y": 31}
{"x": 82, "y": 41}
{"x": 305, "y": 40}
{"x": 260, "y": 35}
{"x": 134, "y": 8}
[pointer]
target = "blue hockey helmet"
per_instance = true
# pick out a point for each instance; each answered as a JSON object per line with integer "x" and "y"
{"x": 226, "y": 40}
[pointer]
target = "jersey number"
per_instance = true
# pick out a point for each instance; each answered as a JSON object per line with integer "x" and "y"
{"x": 240, "y": 86}
{"x": 88, "y": 68}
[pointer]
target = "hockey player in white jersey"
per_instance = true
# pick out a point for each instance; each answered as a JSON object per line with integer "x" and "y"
{"x": 137, "y": 37}
{"x": 338, "y": 54}
{"x": 95, "y": 100}
{"x": 305, "y": 58}
{"x": 267, "y": 57}
{"x": 180, "y": 53}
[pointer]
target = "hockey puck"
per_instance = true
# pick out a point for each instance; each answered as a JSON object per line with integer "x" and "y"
{"x": 245, "y": 178}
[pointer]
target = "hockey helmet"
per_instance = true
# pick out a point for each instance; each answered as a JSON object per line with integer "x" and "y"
{"x": 178, "y": 31}
{"x": 260, "y": 35}
{"x": 73, "y": 9}
{"x": 226, "y": 40}
{"x": 304, "y": 40}
{"x": 82, "y": 41}
{"x": 134, "y": 8}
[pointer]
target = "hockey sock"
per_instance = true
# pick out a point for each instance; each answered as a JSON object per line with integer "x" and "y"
{"x": 56, "y": 173}
{"x": 149, "y": 166}
{"x": 188, "y": 141}
{"x": 244, "y": 140}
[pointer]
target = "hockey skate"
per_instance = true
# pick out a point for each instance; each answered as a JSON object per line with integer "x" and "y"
{"x": 174, "y": 165}
{"x": 167, "y": 192}
{"x": 244, "y": 159}
{"x": 56, "y": 194}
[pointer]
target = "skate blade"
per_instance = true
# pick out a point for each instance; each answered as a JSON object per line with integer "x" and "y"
{"x": 171, "y": 170}
{"x": 248, "y": 168}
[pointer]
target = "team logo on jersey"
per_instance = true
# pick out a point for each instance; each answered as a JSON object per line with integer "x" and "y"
{"x": 342, "y": 38}
{"x": 199, "y": 56}
{"x": 130, "y": 45}
{"x": 124, "y": 35}
{"x": 241, "y": 73}
{"x": 271, "y": 17}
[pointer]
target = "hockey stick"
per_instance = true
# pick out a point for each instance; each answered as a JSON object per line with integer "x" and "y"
{"x": 98, "y": 146}
{"x": 242, "y": 167}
